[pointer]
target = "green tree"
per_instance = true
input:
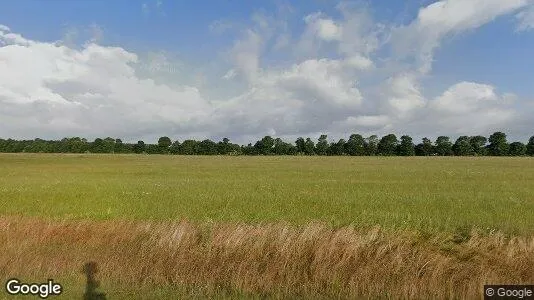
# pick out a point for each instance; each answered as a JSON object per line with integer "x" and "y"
{"x": 355, "y": 146}
{"x": 517, "y": 149}
{"x": 387, "y": 145}
{"x": 498, "y": 146}
{"x": 406, "y": 147}
{"x": 164, "y": 143}
{"x": 283, "y": 148}
{"x": 300, "y": 143}
{"x": 224, "y": 147}
{"x": 119, "y": 146}
{"x": 249, "y": 150}
{"x": 265, "y": 145}
{"x": 109, "y": 145}
{"x": 97, "y": 146}
{"x": 337, "y": 148}
{"x": 309, "y": 147}
{"x": 322, "y": 145}
{"x": 206, "y": 147}
{"x": 188, "y": 147}
{"x": 153, "y": 149}
{"x": 462, "y": 146}
{"x": 425, "y": 148}
{"x": 291, "y": 149}
{"x": 140, "y": 147}
{"x": 76, "y": 145}
{"x": 444, "y": 146}
{"x": 478, "y": 144}
{"x": 530, "y": 146}
{"x": 175, "y": 148}
{"x": 268, "y": 145}
{"x": 371, "y": 145}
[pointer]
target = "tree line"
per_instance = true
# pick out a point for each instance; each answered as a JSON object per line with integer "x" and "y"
{"x": 356, "y": 145}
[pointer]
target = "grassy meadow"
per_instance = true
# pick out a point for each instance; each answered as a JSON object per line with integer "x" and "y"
{"x": 431, "y": 193}
{"x": 276, "y": 227}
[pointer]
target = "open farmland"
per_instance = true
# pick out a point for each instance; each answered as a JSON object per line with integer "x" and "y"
{"x": 431, "y": 193}
{"x": 430, "y": 227}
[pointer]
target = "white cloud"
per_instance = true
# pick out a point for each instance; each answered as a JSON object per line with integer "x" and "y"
{"x": 471, "y": 108}
{"x": 62, "y": 91}
{"x": 230, "y": 74}
{"x": 310, "y": 96}
{"x": 359, "y": 62}
{"x": 465, "y": 97}
{"x": 403, "y": 95}
{"x": 355, "y": 34}
{"x": 246, "y": 55}
{"x": 325, "y": 29}
{"x": 443, "y": 18}
{"x": 337, "y": 81}
{"x": 526, "y": 19}
{"x": 378, "y": 121}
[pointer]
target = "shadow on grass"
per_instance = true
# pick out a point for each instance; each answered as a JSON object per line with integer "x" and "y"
{"x": 91, "y": 288}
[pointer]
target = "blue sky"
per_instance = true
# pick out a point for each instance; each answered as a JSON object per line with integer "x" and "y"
{"x": 244, "y": 69}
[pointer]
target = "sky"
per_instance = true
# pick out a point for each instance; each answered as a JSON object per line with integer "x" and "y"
{"x": 141, "y": 69}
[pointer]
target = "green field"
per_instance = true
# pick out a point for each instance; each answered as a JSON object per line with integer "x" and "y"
{"x": 422, "y": 193}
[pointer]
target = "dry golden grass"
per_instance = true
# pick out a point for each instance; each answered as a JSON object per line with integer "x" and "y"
{"x": 270, "y": 260}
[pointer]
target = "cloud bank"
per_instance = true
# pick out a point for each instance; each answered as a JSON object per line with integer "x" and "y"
{"x": 346, "y": 74}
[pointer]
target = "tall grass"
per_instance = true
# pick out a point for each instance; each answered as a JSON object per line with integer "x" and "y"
{"x": 273, "y": 260}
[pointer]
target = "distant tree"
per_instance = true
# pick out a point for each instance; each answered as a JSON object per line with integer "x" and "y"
{"x": 175, "y": 148}
{"x": 425, "y": 148}
{"x": 206, "y": 147}
{"x": 164, "y": 143}
{"x": 371, "y": 145}
{"x": 279, "y": 147}
{"x": 283, "y": 148}
{"x": 517, "y": 149}
{"x": 249, "y": 150}
{"x": 187, "y": 147}
{"x": 355, "y": 146}
{"x": 153, "y": 149}
{"x": 309, "y": 147}
{"x": 128, "y": 148}
{"x": 444, "y": 146}
{"x": 291, "y": 149}
{"x": 406, "y": 147}
{"x": 74, "y": 145}
{"x": 300, "y": 143}
{"x": 108, "y": 145}
{"x": 322, "y": 145}
{"x": 337, "y": 148}
{"x": 530, "y": 146}
{"x": 119, "y": 146}
{"x": 387, "y": 145}
{"x": 478, "y": 144}
{"x": 139, "y": 147}
{"x": 224, "y": 147}
{"x": 265, "y": 145}
{"x": 97, "y": 146}
{"x": 462, "y": 146}
{"x": 498, "y": 146}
